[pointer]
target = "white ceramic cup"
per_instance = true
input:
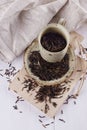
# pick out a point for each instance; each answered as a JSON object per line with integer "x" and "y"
{"x": 54, "y": 56}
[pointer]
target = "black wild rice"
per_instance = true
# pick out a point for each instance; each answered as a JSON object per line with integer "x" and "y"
{"x": 29, "y": 84}
{"x": 19, "y": 99}
{"x": 20, "y": 112}
{"x": 47, "y": 71}
{"x": 47, "y": 93}
{"x": 40, "y": 121}
{"x": 69, "y": 97}
{"x": 61, "y": 111}
{"x": 53, "y": 41}
{"x": 15, "y": 107}
{"x": 41, "y": 116}
{"x": 62, "y": 120}
{"x": 75, "y": 102}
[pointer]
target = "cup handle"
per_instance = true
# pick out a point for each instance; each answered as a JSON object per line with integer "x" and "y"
{"x": 62, "y": 21}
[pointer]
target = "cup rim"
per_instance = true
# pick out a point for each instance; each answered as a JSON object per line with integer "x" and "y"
{"x": 52, "y": 25}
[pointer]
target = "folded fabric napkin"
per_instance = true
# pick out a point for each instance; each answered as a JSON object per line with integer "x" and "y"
{"x": 21, "y": 21}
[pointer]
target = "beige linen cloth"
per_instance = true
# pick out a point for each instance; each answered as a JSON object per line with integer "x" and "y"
{"x": 22, "y": 20}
